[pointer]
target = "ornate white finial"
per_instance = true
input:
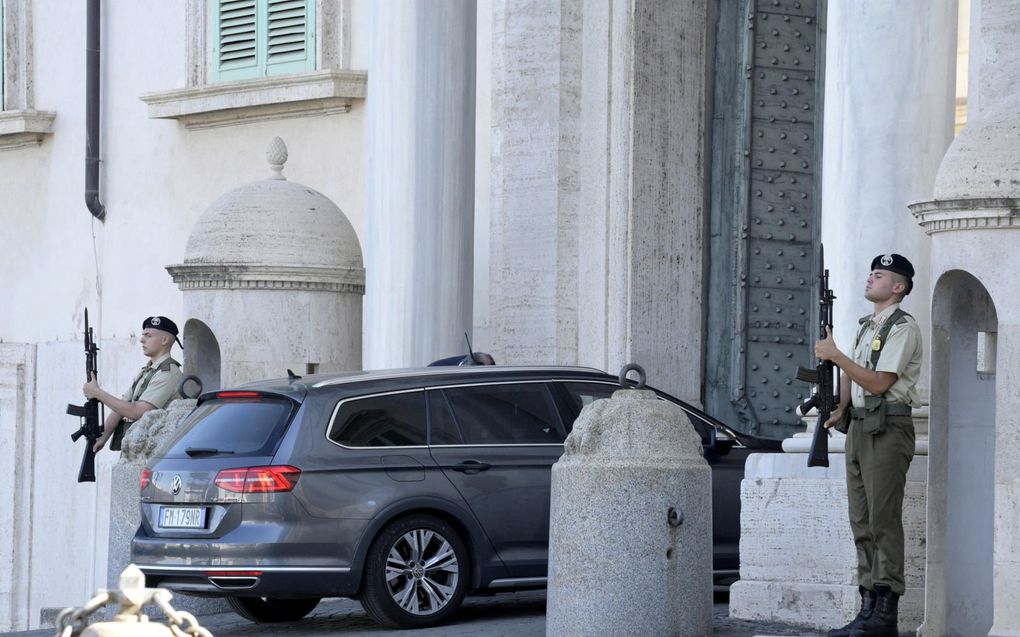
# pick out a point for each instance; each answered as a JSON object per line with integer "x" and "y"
{"x": 276, "y": 154}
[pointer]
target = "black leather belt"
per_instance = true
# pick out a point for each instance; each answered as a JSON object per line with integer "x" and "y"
{"x": 891, "y": 409}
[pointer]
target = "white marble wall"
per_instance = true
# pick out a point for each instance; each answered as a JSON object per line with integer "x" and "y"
{"x": 157, "y": 178}
{"x": 643, "y": 189}
{"x": 420, "y": 181}
{"x": 535, "y": 238}
{"x": 889, "y": 113}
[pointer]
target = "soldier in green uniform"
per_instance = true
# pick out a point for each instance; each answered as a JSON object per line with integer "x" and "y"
{"x": 153, "y": 388}
{"x": 878, "y": 388}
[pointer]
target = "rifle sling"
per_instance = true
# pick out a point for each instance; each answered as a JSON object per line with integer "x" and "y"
{"x": 898, "y": 316}
{"x": 122, "y": 426}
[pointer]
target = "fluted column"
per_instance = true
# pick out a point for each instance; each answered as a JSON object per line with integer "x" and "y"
{"x": 420, "y": 198}
{"x": 644, "y": 87}
{"x": 889, "y": 110}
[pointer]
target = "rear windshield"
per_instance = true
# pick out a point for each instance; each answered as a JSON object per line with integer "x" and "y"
{"x": 233, "y": 427}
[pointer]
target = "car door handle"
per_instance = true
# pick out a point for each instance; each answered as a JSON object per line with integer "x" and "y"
{"x": 471, "y": 466}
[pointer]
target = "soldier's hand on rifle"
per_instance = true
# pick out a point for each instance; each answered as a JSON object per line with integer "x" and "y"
{"x": 833, "y": 419}
{"x": 826, "y": 349}
{"x": 100, "y": 443}
{"x": 91, "y": 389}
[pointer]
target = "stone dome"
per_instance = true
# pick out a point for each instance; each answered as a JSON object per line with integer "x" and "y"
{"x": 274, "y": 223}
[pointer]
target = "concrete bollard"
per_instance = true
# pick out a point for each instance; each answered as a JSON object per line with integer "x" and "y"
{"x": 144, "y": 440}
{"x": 630, "y": 531}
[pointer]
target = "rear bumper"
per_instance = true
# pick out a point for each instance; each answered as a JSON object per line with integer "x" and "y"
{"x": 263, "y": 581}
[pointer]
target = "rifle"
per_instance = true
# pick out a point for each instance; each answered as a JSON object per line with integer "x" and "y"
{"x": 89, "y": 413}
{"x": 826, "y": 396}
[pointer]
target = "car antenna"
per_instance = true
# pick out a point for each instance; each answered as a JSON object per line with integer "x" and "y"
{"x": 291, "y": 376}
{"x": 471, "y": 352}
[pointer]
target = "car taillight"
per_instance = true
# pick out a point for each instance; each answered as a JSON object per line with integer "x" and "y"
{"x": 273, "y": 479}
{"x": 144, "y": 479}
{"x": 237, "y": 395}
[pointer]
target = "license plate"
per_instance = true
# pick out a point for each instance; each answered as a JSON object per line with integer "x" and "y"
{"x": 182, "y": 517}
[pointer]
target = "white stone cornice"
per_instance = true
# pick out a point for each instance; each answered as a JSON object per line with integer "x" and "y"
{"x": 24, "y": 128}
{"x": 943, "y": 215}
{"x": 222, "y": 104}
{"x": 227, "y": 276}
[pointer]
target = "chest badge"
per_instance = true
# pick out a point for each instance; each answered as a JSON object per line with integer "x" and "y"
{"x": 876, "y": 345}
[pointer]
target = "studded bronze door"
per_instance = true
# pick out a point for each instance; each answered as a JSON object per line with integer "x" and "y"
{"x": 765, "y": 214}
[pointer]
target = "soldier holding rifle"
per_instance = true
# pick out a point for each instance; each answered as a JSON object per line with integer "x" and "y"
{"x": 152, "y": 388}
{"x": 878, "y": 388}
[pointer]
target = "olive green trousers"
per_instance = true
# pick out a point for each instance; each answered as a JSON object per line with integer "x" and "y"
{"x": 876, "y": 474}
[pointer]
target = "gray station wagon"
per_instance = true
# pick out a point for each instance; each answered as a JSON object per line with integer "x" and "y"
{"x": 404, "y": 489}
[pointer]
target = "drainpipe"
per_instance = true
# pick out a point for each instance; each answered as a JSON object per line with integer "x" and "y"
{"x": 95, "y": 206}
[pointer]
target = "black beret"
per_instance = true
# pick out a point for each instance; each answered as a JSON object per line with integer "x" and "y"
{"x": 160, "y": 323}
{"x": 895, "y": 263}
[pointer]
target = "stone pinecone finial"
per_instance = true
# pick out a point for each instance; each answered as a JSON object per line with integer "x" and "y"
{"x": 276, "y": 154}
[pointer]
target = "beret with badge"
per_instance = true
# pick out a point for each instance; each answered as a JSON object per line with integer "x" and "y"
{"x": 895, "y": 263}
{"x": 164, "y": 324}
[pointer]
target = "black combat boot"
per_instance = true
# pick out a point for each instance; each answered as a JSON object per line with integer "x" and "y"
{"x": 867, "y": 606}
{"x": 882, "y": 622}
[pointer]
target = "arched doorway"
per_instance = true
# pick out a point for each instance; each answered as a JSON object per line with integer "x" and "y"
{"x": 961, "y": 488}
{"x": 202, "y": 354}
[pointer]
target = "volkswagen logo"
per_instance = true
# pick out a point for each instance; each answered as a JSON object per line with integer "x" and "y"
{"x": 175, "y": 486}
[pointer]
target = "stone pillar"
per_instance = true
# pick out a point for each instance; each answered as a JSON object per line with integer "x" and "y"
{"x": 644, "y": 87}
{"x": 632, "y": 477}
{"x": 889, "y": 113}
{"x": 535, "y": 189}
{"x": 145, "y": 438}
{"x": 973, "y": 223}
{"x": 17, "y": 456}
{"x": 420, "y": 118}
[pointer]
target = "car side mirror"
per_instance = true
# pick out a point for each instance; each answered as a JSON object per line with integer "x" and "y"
{"x": 721, "y": 445}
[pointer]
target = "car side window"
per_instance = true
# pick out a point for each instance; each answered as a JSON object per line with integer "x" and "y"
{"x": 584, "y": 394}
{"x": 502, "y": 414}
{"x": 387, "y": 420}
{"x": 443, "y": 426}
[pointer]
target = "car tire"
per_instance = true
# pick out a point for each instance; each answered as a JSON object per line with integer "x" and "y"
{"x": 416, "y": 573}
{"x": 266, "y": 610}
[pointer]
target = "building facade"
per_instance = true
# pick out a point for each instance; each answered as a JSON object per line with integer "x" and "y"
{"x": 570, "y": 182}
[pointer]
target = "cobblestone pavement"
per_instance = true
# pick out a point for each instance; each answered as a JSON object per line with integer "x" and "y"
{"x": 505, "y": 615}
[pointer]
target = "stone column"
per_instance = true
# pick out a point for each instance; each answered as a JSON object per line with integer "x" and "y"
{"x": 420, "y": 181}
{"x": 535, "y": 191}
{"x": 644, "y": 87}
{"x": 973, "y": 222}
{"x": 889, "y": 112}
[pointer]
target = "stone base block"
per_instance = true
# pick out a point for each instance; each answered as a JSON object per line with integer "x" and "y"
{"x": 797, "y": 557}
{"x": 821, "y": 606}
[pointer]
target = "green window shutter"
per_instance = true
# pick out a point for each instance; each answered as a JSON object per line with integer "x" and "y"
{"x": 235, "y": 39}
{"x": 290, "y": 36}
{"x": 256, "y": 38}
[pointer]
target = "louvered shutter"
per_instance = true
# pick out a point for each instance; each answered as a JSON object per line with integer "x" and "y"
{"x": 235, "y": 39}
{"x": 255, "y": 38}
{"x": 290, "y": 43}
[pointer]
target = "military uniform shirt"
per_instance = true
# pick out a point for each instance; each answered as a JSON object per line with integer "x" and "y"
{"x": 161, "y": 389}
{"x": 901, "y": 355}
